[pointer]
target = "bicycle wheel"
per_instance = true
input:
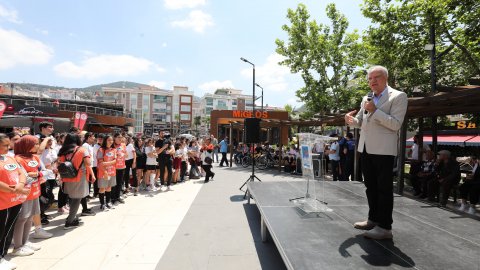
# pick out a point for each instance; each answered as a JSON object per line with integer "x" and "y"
{"x": 246, "y": 161}
{"x": 262, "y": 162}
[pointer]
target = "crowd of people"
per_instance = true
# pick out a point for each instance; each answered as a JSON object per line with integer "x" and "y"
{"x": 433, "y": 178}
{"x": 72, "y": 169}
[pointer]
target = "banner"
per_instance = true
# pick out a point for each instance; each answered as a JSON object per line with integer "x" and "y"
{"x": 77, "y": 119}
{"x": 83, "y": 120}
{"x": 3, "y": 106}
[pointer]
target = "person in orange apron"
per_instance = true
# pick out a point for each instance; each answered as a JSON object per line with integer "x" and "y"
{"x": 120, "y": 168}
{"x": 12, "y": 194}
{"x": 25, "y": 151}
{"x": 106, "y": 160}
{"x": 76, "y": 187}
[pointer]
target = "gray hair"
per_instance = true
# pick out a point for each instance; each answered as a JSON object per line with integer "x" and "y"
{"x": 382, "y": 69}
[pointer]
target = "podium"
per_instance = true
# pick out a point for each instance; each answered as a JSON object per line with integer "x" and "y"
{"x": 310, "y": 203}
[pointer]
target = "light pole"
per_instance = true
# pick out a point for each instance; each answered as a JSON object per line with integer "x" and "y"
{"x": 252, "y": 177}
{"x": 258, "y": 85}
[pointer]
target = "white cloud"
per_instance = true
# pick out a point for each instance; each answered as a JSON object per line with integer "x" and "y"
{"x": 271, "y": 76}
{"x": 180, "y": 4}
{"x": 17, "y": 49}
{"x": 158, "y": 84}
{"x": 197, "y": 20}
{"x": 41, "y": 31}
{"x": 214, "y": 85}
{"x": 10, "y": 15}
{"x": 103, "y": 65}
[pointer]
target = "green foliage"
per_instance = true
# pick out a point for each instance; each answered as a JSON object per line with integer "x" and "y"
{"x": 326, "y": 56}
{"x": 401, "y": 29}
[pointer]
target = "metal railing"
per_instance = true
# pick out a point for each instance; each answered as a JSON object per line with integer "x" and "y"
{"x": 67, "y": 106}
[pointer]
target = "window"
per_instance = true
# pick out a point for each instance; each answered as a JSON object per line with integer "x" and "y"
{"x": 133, "y": 102}
{"x": 222, "y": 105}
{"x": 159, "y": 98}
{"x": 209, "y": 101}
{"x": 185, "y": 99}
{"x": 208, "y": 110}
{"x": 185, "y": 117}
{"x": 185, "y": 108}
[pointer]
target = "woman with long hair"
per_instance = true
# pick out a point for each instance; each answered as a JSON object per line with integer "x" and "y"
{"x": 177, "y": 161}
{"x": 151, "y": 164}
{"x": 76, "y": 187}
{"x": 25, "y": 154}
{"x": 106, "y": 160}
{"x": 12, "y": 194}
{"x": 120, "y": 168}
{"x": 207, "y": 159}
{"x": 141, "y": 162}
{"x": 130, "y": 163}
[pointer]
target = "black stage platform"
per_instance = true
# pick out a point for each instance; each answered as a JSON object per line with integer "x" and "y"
{"x": 424, "y": 236}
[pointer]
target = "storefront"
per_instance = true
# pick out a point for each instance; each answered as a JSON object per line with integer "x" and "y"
{"x": 230, "y": 123}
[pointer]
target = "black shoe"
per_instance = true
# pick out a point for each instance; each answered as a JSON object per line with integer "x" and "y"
{"x": 121, "y": 200}
{"x": 206, "y": 181}
{"x": 75, "y": 223}
{"x": 88, "y": 212}
{"x": 45, "y": 221}
{"x": 213, "y": 175}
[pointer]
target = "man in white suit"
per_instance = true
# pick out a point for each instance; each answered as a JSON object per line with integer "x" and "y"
{"x": 380, "y": 117}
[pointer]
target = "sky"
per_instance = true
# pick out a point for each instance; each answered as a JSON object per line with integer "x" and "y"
{"x": 194, "y": 43}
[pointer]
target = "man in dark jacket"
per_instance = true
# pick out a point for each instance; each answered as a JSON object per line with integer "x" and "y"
{"x": 470, "y": 189}
{"x": 448, "y": 176}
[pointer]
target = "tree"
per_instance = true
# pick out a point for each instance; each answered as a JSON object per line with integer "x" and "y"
{"x": 401, "y": 29}
{"x": 326, "y": 57}
{"x": 197, "y": 121}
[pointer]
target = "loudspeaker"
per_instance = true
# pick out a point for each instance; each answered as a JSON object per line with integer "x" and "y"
{"x": 252, "y": 130}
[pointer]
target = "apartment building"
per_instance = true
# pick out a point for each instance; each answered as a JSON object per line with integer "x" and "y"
{"x": 226, "y": 99}
{"x": 147, "y": 104}
{"x": 182, "y": 107}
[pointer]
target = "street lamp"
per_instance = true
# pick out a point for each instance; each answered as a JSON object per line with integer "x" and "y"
{"x": 258, "y": 85}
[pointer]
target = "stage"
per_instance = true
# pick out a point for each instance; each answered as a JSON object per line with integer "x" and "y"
{"x": 424, "y": 236}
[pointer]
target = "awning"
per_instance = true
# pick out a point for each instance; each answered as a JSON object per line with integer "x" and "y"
{"x": 458, "y": 140}
{"x": 475, "y": 141}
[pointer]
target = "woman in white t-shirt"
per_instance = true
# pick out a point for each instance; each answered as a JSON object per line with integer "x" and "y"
{"x": 130, "y": 164}
{"x": 151, "y": 164}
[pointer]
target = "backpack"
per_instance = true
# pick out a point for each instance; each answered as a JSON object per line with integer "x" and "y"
{"x": 66, "y": 169}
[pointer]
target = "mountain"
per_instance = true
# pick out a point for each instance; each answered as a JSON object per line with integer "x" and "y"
{"x": 93, "y": 88}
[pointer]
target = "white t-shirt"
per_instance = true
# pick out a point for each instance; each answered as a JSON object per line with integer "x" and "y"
{"x": 150, "y": 160}
{"x": 130, "y": 150}
{"x": 319, "y": 147}
{"x": 336, "y": 155}
{"x": 89, "y": 148}
{"x": 94, "y": 157}
{"x": 48, "y": 157}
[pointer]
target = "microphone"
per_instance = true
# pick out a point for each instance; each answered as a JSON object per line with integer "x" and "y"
{"x": 369, "y": 98}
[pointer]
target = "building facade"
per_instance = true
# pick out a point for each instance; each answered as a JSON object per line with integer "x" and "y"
{"x": 226, "y": 99}
{"x": 147, "y": 104}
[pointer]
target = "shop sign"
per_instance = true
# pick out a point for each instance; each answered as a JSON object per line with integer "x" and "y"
{"x": 466, "y": 125}
{"x": 249, "y": 114}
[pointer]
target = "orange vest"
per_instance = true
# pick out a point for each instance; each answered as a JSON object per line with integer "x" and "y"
{"x": 9, "y": 171}
{"x": 31, "y": 164}
{"x": 76, "y": 161}
{"x": 108, "y": 155}
{"x": 121, "y": 156}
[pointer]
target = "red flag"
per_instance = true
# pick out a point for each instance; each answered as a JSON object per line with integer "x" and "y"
{"x": 83, "y": 120}
{"x": 77, "y": 119}
{"x": 3, "y": 106}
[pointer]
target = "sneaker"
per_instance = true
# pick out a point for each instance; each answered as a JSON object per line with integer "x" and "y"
{"x": 120, "y": 200}
{"x": 169, "y": 188}
{"x": 44, "y": 221}
{"x": 33, "y": 246}
{"x": 462, "y": 207}
{"x": 4, "y": 264}
{"x": 365, "y": 225}
{"x": 88, "y": 212}
{"x": 116, "y": 203}
{"x": 23, "y": 251}
{"x": 472, "y": 210}
{"x": 103, "y": 208}
{"x": 75, "y": 223}
{"x": 110, "y": 206}
{"x": 40, "y": 233}
{"x": 63, "y": 210}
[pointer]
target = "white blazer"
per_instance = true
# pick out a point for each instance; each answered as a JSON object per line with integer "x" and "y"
{"x": 379, "y": 130}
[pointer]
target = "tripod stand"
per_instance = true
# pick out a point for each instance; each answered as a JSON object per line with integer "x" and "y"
{"x": 252, "y": 177}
